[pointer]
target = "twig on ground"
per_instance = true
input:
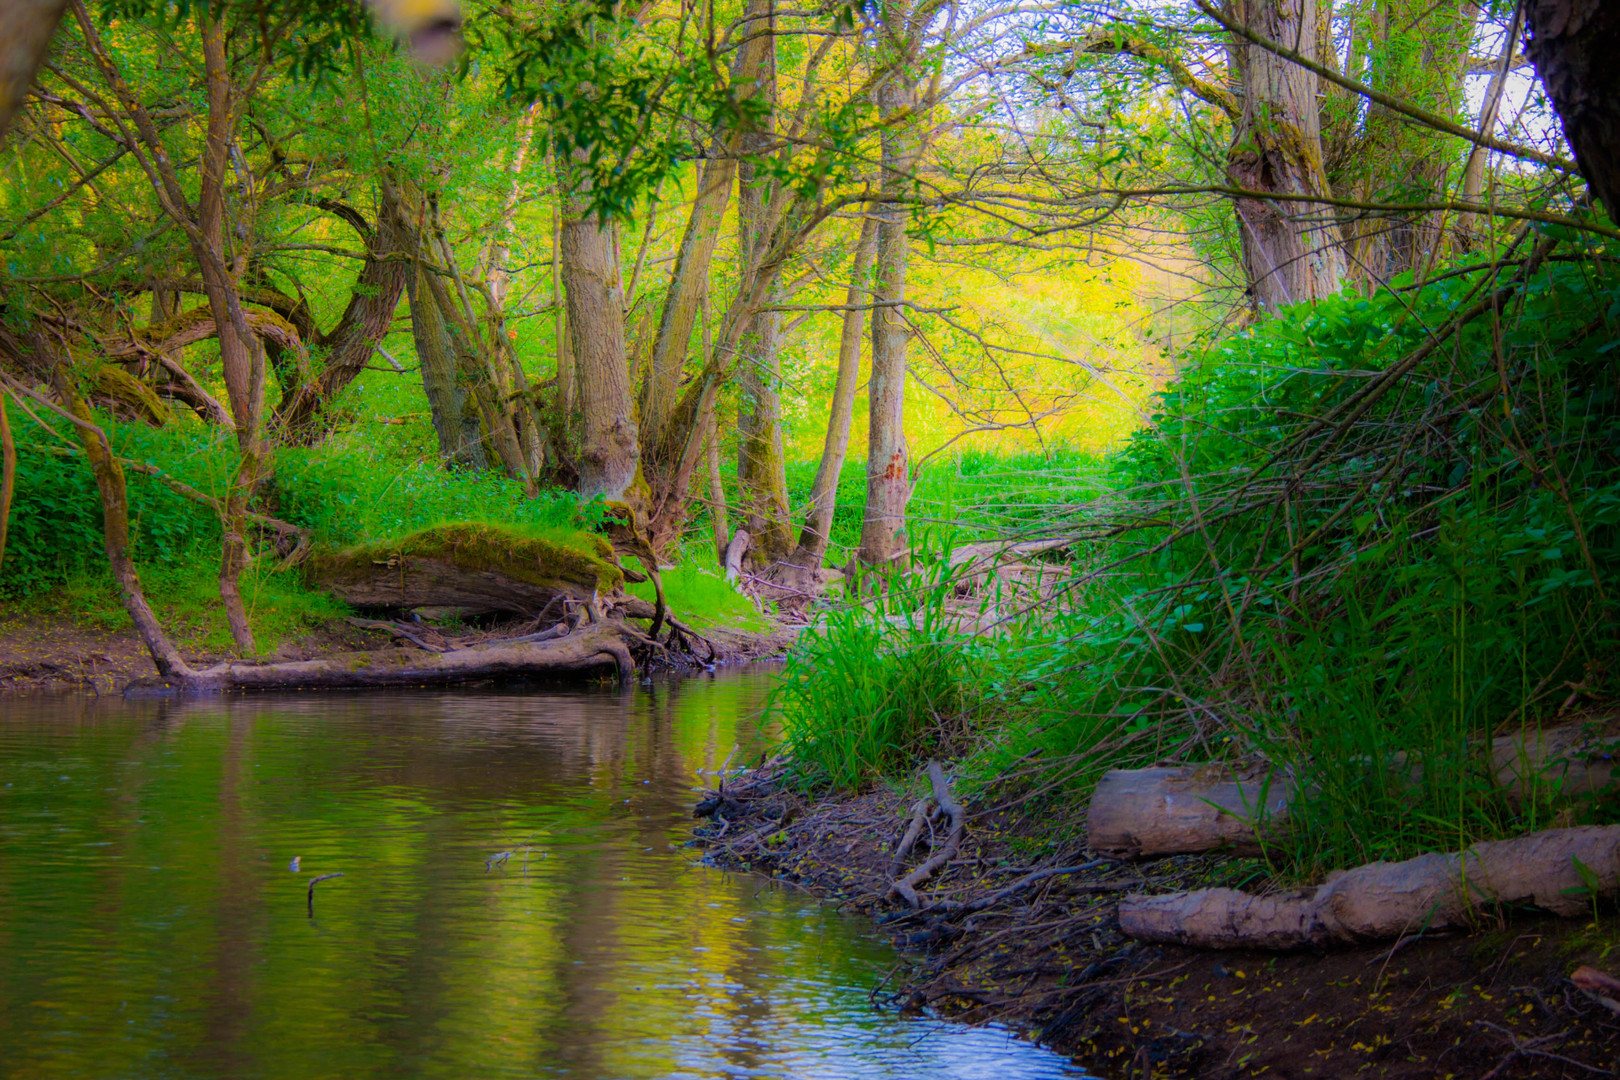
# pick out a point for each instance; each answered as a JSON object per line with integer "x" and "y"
{"x": 919, "y": 815}
{"x": 906, "y": 887}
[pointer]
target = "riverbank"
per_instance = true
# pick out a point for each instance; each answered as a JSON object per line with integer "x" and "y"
{"x": 45, "y": 653}
{"x": 1023, "y": 930}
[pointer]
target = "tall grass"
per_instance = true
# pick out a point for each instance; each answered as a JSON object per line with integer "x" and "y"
{"x": 1362, "y": 605}
{"x": 871, "y": 688}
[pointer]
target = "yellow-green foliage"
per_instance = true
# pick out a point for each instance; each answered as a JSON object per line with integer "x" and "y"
{"x": 535, "y": 554}
{"x": 1068, "y": 340}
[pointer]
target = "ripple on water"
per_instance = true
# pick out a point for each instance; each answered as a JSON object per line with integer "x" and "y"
{"x": 150, "y": 925}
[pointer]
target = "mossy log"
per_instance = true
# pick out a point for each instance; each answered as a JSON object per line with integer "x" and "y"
{"x": 472, "y": 565}
{"x": 602, "y": 648}
{"x": 1169, "y": 811}
{"x": 1560, "y": 870}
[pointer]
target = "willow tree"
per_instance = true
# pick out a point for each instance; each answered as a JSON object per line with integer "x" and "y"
{"x": 1293, "y": 250}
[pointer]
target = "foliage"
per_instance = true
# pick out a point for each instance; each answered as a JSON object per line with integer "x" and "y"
{"x": 1365, "y": 608}
{"x": 872, "y": 689}
{"x": 703, "y": 597}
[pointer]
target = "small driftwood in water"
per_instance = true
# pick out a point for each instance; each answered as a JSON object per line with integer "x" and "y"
{"x": 906, "y": 887}
{"x": 593, "y": 649}
{"x": 314, "y": 881}
{"x": 1560, "y": 870}
{"x": 1168, "y": 811}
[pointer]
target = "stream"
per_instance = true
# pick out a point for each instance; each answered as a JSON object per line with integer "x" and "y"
{"x": 516, "y": 899}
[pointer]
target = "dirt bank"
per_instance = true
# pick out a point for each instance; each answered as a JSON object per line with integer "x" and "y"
{"x": 54, "y": 654}
{"x": 1045, "y": 954}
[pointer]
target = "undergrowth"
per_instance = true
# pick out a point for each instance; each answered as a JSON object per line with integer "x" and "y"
{"x": 872, "y": 688}
{"x": 1357, "y": 577}
{"x": 704, "y": 597}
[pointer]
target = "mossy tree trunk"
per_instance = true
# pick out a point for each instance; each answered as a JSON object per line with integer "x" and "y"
{"x": 761, "y": 471}
{"x": 242, "y": 355}
{"x": 454, "y": 413}
{"x": 1293, "y": 250}
{"x": 1416, "y": 52}
{"x": 608, "y": 455}
{"x": 366, "y": 318}
{"x": 114, "y": 492}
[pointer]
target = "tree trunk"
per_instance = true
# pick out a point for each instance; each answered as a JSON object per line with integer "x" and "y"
{"x": 455, "y": 415}
{"x": 597, "y": 649}
{"x": 26, "y": 27}
{"x": 888, "y": 479}
{"x": 480, "y": 360}
{"x": 8, "y": 474}
{"x": 761, "y": 472}
{"x": 753, "y": 71}
{"x": 366, "y": 319}
{"x": 1293, "y": 250}
{"x": 1574, "y": 45}
{"x": 497, "y": 282}
{"x": 717, "y": 495}
{"x": 818, "y": 518}
{"x": 608, "y": 457}
{"x": 1564, "y": 871}
{"x": 687, "y": 289}
{"x": 109, "y": 476}
{"x": 1473, "y": 185}
{"x": 565, "y": 353}
{"x": 1419, "y": 56}
{"x": 241, "y": 356}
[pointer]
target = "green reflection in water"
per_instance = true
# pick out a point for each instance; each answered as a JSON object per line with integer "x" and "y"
{"x": 150, "y": 926}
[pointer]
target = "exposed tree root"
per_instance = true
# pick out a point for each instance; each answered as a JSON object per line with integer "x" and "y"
{"x": 906, "y": 887}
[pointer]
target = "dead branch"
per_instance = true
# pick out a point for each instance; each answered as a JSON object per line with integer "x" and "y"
{"x": 906, "y": 887}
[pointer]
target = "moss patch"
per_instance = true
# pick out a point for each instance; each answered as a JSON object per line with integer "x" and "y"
{"x": 536, "y": 555}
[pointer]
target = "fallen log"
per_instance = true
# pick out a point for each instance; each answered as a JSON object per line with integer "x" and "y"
{"x": 1181, "y": 810}
{"x": 472, "y": 565}
{"x": 1560, "y": 870}
{"x": 1164, "y": 811}
{"x": 596, "y": 649}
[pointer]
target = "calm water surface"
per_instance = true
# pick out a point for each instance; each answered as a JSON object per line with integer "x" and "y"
{"x": 150, "y": 925}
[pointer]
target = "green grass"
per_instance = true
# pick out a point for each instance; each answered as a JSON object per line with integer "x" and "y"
{"x": 703, "y": 598}
{"x": 280, "y": 608}
{"x": 872, "y": 689}
{"x": 1445, "y": 572}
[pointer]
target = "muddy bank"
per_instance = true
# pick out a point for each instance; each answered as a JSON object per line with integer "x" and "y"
{"x": 1021, "y": 927}
{"x": 46, "y": 654}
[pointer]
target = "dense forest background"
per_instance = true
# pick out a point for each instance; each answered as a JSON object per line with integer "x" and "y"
{"x": 1284, "y": 331}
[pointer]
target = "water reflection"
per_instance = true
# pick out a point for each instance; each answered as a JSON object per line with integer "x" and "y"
{"x": 150, "y": 927}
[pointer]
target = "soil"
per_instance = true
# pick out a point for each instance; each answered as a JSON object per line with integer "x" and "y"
{"x": 45, "y": 654}
{"x": 1050, "y": 959}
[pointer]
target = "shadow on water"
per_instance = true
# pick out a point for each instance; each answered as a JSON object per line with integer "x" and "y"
{"x": 514, "y": 900}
